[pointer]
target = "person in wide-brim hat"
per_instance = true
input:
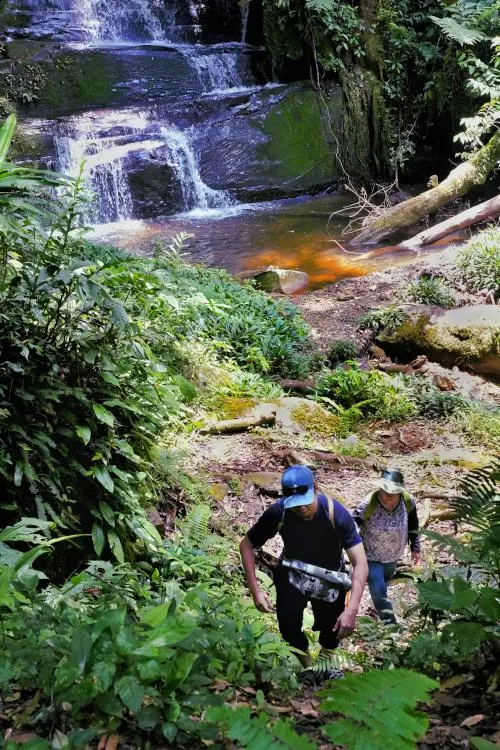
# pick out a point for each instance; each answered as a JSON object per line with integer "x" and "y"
{"x": 388, "y": 521}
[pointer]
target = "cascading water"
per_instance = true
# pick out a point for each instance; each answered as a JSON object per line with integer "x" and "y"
{"x": 86, "y": 140}
{"x": 217, "y": 72}
{"x": 132, "y": 20}
{"x": 181, "y": 158}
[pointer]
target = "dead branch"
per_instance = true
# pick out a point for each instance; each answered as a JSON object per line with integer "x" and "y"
{"x": 488, "y": 210}
{"x": 239, "y": 425}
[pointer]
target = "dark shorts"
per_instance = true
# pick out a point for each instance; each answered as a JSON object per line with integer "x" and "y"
{"x": 290, "y": 605}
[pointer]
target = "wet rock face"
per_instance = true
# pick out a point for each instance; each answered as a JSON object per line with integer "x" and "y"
{"x": 465, "y": 336}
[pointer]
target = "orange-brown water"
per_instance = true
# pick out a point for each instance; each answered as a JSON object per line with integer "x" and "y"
{"x": 301, "y": 234}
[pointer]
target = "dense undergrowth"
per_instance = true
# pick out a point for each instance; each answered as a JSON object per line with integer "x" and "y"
{"x": 106, "y": 630}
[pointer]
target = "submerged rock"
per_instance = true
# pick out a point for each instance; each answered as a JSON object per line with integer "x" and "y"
{"x": 465, "y": 336}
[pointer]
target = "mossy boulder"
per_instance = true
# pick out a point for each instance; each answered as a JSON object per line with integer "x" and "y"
{"x": 468, "y": 337}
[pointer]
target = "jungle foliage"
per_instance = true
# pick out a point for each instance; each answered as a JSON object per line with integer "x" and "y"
{"x": 93, "y": 361}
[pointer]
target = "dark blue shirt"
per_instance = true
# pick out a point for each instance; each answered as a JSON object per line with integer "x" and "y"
{"x": 315, "y": 541}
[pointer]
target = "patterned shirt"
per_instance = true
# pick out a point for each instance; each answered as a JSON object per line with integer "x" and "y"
{"x": 386, "y": 532}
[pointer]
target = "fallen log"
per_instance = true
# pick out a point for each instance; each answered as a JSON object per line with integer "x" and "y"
{"x": 447, "y": 514}
{"x": 239, "y": 425}
{"x": 393, "y": 367}
{"x": 460, "y": 180}
{"x": 488, "y": 210}
{"x": 317, "y": 456}
{"x": 300, "y": 386}
{"x": 435, "y": 495}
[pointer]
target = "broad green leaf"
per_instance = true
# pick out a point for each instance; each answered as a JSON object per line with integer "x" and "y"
{"x": 110, "y": 704}
{"x": 84, "y": 434}
{"x": 107, "y": 513}
{"x": 130, "y": 691}
{"x": 98, "y": 539}
{"x": 103, "y": 415}
{"x": 116, "y": 546}
{"x": 108, "y": 377}
{"x": 103, "y": 673}
{"x": 103, "y": 476}
{"x": 6, "y": 133}
{"x": 156, "y": 615}
{"x": 112, "y": 620}
{"x": 482, "y": 744}
{"x": 148, "y": 718}
{"x": 81, "y": 646}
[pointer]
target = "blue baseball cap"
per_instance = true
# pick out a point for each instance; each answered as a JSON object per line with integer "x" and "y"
{"x": 298, "y": 486}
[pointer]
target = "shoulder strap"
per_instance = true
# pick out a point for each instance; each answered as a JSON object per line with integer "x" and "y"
{"x": 408, "y": 502}
{"x": 371, "y": 507}
{"x": 331, "y": 514}
{"x": 282, "y": 518}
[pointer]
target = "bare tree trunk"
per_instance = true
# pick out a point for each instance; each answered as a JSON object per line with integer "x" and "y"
{"x": 487, "y": 210}
{"x": 473, "y": 172}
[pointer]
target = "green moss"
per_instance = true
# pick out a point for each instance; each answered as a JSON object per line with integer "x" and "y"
{"x": 316, "y": 420}
{"x": 232, "y": 407}
{"x": 299, "y": 142}
{"x": 412, "y": 330}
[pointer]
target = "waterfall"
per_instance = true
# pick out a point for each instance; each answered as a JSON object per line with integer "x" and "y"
{"x": 181, "y": 158}
{"x": 245, "y": 10}
{"x": 85, "y": 139}
{"x": 99, "y": 20}
{"x": 216, "y": 72}
{"x": 133, "y": 19}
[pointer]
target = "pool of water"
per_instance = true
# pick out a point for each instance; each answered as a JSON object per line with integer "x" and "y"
{"x": 304, "y": 234}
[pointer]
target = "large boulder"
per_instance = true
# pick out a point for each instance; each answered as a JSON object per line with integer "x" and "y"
{"x": 465, "y": 336}
{"x": 284, "y": 281}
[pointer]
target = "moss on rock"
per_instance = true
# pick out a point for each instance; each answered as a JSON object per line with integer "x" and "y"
{"x": 467, "y": 336}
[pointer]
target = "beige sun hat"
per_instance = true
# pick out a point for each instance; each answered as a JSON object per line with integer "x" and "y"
{"x": 391, "y": 481}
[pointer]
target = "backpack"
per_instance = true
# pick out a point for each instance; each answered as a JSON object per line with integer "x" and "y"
{"x": 372, "y": 504}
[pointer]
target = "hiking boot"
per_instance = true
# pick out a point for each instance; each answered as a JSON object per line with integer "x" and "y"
{"x": 329, "y": 673}
{"x": 313, "y": 677}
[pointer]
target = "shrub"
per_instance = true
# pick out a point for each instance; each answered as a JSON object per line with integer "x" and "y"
{"x": 479, "y": 262}
{"x": 342, "y": 350}
{"x": 131, "y": 651}
{"x": 428, "y": 290}
{"x": 374, "y": 394}
{"x": 263, "y": 335}
{"x": 384, "y": 317}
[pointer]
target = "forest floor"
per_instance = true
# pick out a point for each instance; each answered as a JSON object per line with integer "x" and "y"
{"x": 243, "y": 472}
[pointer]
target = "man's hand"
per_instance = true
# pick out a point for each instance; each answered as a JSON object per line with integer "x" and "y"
{"x": 416, "y": 557}
{"x": 262, "y": 601}
{"x": 346, "y": 622}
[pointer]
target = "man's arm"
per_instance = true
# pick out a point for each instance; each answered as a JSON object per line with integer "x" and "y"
{"x": 260, "y": 598}
{"x": 346, "y": 622}
{"x": 413, "y": 535}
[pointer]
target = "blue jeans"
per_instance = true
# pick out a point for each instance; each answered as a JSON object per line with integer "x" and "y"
{"x": 378, "y": 575}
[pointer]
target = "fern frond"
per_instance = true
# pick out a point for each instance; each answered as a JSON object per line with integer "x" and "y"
{"x": 380, "y": 709}
{"x": 338, "y": 659}
{"x": 458, "y": 32}
{"x": 257, "y": 731}
{"x": 478, "y": 502}
{"x": 195, "y": 526}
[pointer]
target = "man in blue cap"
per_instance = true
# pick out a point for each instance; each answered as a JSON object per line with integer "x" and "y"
{"x": 315, "y": 530}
